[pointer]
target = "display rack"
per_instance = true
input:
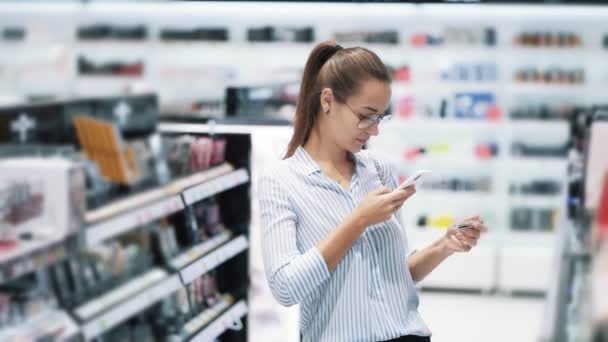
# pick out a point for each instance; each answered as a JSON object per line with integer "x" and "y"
{"x": 225, "y": 255}
{"x": 570, "y": 297}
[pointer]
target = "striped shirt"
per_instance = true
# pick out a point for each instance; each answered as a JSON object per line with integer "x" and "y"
{"x": 370, "y": 296}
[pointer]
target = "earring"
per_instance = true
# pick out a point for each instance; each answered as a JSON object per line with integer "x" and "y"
{"x": 327, "y": 111}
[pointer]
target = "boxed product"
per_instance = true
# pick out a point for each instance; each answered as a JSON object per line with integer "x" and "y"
{"x": 41, "y": 196}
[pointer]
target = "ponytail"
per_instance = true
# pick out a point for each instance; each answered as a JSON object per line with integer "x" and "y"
{"x": 308, "y": 106}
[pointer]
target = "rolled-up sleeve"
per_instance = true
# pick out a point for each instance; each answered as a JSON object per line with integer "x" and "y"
{"x": 292, "y": 274}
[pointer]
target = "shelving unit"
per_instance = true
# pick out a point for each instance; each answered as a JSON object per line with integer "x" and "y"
{"x": 96, "y": 317}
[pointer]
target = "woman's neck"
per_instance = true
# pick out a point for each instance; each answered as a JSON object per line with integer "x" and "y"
{"x": 324, "y": 151}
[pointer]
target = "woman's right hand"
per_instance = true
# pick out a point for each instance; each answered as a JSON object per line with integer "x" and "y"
{"x": 379, "y": 205}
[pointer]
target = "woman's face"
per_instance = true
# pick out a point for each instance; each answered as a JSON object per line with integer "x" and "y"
{"x": 346, "y": 122}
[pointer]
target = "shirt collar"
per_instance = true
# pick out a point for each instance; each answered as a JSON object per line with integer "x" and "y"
{"x": 309, "y": 166}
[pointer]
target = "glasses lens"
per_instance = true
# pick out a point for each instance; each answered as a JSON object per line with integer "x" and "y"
{"x": 365, "y": 123}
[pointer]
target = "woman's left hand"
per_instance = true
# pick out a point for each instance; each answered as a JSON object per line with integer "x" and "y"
{"x": 463, "y": 239}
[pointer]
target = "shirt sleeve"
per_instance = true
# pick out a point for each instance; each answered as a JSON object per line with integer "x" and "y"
{"x": 292, "y": 275}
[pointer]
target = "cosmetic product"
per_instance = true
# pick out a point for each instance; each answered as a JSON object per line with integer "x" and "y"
{"x": 216, "y": 34}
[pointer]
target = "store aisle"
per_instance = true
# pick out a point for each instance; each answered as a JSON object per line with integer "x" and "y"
{"x": 482, "y": 318}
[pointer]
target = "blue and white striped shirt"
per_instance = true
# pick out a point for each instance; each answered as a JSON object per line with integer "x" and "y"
{"x": 370, "y": 296}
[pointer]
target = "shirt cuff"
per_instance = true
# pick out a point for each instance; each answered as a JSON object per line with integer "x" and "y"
{"x": 307, "y": 273}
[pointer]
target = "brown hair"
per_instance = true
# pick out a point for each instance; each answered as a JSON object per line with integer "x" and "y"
{"x": 342, "y": 70}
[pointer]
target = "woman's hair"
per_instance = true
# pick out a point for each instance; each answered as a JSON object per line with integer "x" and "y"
{"x": 331, "y": 66}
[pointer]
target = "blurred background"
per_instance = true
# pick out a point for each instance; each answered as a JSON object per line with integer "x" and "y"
{"x": 132, "y": 133}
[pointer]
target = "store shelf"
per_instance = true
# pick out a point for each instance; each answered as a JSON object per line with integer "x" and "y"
{"x": 213, "y": 259}
{"x": 97, "y": 305}
{"x": 29, "y": 256}
{"x": 199, "y": 178}
{"x": 215, "y": 186}
{"x": 222, "y": 323}
{"x": 199, "y": 250}
{"x": 446, "y": 195}
{"x": 536, "y": 201}
{"x": 55, "y": 325}
{"x": 201, "y": 320}
{"x": 123, "y": 223}
{"x": 155, "y": 204}
{"x": 150, "y": 196}
{"x": 541, "y": 88}
{"x": 130, "y": 306}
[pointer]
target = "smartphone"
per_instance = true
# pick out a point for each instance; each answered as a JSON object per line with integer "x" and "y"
{"x": 414, "y": 179}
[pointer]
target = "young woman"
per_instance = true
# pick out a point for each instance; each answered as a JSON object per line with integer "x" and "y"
{"x": 331, "y": 239}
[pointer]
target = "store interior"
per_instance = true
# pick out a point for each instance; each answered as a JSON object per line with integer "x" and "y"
{"x": 132, "y": 134}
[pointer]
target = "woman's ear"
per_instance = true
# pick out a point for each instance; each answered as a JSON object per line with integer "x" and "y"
{"x": 326, "y": 99}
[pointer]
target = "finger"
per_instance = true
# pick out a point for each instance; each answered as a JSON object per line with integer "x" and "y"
{"x": 471, "y": 233}
{"x": 467, "y": 241}
{"x": 381, "y": 190}
{"x": 482, "y": 228}
{"x": 402, "y": 195}
{"x": 471, "y": 218}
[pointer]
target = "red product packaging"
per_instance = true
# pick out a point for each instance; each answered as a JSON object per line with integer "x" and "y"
{"x": 219, "y": 151}
{"x": 602, "y": 212}
{"x": 201, "y": 153}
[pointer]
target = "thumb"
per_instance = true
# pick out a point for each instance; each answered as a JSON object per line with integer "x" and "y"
{"x": 471, "y": 218}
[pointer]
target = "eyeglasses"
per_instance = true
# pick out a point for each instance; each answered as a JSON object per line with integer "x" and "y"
{"x": 366, "y": 121}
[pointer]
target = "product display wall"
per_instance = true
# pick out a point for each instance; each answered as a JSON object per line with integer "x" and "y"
{"x": 481, "y": 96}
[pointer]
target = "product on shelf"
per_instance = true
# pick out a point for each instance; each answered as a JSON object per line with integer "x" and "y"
{"x": 548, "y": 39}
{"x": 482, "y": 184}
{"x": 382, "y": 37}
{"x": 272, "y": 101}
{"x": 209, "y": 108}
{"x": 478, "y": 72}
{"x": 481, "y": 150}
{"x": 281, "y": 34}
{"x": 543, "y": 112}
{"x": 23, "y": 299}
{"x": 214, "y": 34}
{"x": 187, "y": 154}
{"x": 112, "y": 32}
{"x": 207, "y": 215}
{"x": 543, "y": 187}
{"x": 42, "y": 198}
{"x": 102, "y": 142}
{"x": 519, "y": 148}
{"x": 533, "y": 219}
{"x": 13, "y": 34}
{"x": 98, "y": 270}
{"x": 475, "y": 105}
{"x": 86, "y": 67}
{"x": 451, "y": 35}
{"x": 401, "y": 73}
{"x": 555, "y": 75}
{"x": 464, "y": 105}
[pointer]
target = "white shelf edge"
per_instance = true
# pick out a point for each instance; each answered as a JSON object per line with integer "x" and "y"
{"x": 99, "y": 232}
{"x": 26, "y": 257}
{"x": 150, "y": 205}
{"x": 213, "y": 259}
{"x": 199, "y": 250}
{"x": 28, "y": 327}
{"x": 222, "y": 323}
{"x": 130, "y": 307}
{"x": 99, "y": 304}
{"x": 215, "y": 186}
{"x": 194, "y": 325}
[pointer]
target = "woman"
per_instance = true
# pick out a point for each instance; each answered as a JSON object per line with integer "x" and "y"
{"x": 331, "y": 240}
